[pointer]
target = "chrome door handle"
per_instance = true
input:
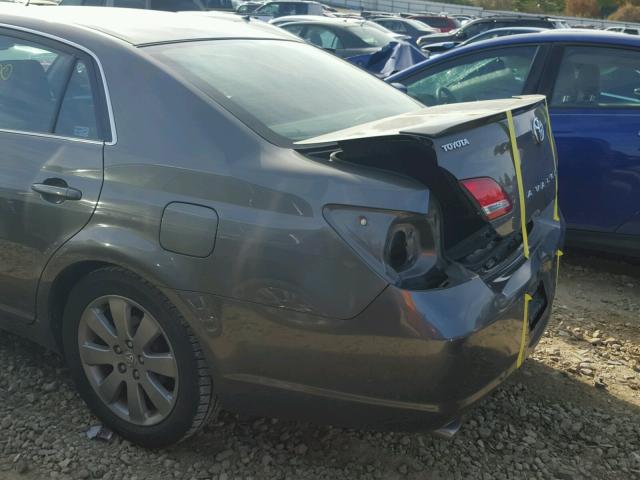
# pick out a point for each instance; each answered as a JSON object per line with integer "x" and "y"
{"x": 58, "y": 192}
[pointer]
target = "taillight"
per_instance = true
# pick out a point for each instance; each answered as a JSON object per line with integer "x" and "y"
{"x": 489, "y": 195}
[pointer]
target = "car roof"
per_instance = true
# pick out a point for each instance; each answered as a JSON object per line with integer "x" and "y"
{"x": 136, "y": 26}
{"x": 427, "y": 15}
{"x": 296, "y": 18}
{"x": 409, "y": 20}
{"x": 589, "y": 37}
{"x": 316, "y": 19}
{"x": 518, "y": 29}
{"x": 514, "y": 29}
{"x": 509, "y": 18}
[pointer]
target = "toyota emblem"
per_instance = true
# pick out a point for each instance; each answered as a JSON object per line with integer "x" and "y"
{"x": 537, "y": 127}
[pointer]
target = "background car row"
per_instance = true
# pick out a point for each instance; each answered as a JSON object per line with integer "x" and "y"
{"x": 592, "y": 83}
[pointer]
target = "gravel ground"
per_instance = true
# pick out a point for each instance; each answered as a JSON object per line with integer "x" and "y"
{"x": 572, "y": 411}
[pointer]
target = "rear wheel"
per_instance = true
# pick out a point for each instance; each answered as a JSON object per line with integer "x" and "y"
{"x": 134, "y": 359}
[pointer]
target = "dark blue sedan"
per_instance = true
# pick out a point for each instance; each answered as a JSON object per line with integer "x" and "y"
{"x": 592, "y": 83}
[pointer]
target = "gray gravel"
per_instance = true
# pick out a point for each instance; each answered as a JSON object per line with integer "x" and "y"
{"x": 573, "y": 411}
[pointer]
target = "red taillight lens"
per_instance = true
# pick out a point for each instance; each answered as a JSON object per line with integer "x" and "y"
{"x": 490, "y": 196}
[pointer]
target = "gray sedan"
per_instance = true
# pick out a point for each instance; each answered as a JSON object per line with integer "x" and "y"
{"x": 203, "y": 212}
{"x": 344, "y": 37}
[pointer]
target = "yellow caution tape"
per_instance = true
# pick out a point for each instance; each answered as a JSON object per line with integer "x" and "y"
{"x": 518, "y": 168}
{"x": 525, "y": 327}
{"x": 556, "y": 210}
{"x": 558, "y": 255}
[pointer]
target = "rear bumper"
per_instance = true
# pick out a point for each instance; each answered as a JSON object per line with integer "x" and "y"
{"x": 410, "y": 360}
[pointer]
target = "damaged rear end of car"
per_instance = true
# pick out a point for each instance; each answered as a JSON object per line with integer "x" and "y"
{"x": 471, "y": 278}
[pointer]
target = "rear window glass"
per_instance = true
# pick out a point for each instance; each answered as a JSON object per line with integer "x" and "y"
{"x": 369, "y": 37}
{"x": 246, "y": 77}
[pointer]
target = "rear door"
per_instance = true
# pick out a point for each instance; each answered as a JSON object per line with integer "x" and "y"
{"x": 595, "y": 113}
{"x": 51, "y": 143}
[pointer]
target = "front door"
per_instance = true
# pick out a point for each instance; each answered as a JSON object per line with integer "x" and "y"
{"x": 51, "y": 144}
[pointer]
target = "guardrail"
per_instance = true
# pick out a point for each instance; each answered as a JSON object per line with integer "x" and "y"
{"x": 415, "y": 6}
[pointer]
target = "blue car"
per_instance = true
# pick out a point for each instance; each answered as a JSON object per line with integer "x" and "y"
{"x": 592, "y": 83}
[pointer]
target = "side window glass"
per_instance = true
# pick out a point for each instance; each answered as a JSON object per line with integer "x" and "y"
{"x": 475, "y": 29}
{"x": 321, "y": 37}
{"x": 270, "y": 9}
{"x": 287, "y": 8}
{"x": 77, "y": 117}
{"x": 598, "y": 78}
{"x": 486, "y": 76}
{"x": 499, "y": 25}
{"x": 397, "y": 27}
{"x": 29, "y": 90}
{"x": 300, "y": 9}
{"x": 295, "y": 28}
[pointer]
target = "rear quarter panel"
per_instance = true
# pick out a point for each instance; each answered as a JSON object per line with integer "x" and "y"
{"x": 273, "y": 246}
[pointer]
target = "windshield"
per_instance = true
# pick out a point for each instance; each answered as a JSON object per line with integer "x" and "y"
{"x": 289, "y": 90}
{"x": 371, "y": 36}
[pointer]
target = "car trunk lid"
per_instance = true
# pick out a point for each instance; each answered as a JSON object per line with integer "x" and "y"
{"x": 504, "y": 140}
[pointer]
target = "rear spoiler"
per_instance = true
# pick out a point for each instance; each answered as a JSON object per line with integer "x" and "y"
{"x": 429, "y": 122}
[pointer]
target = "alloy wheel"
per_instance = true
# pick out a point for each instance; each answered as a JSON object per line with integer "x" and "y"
{"x": 128, "y": 360}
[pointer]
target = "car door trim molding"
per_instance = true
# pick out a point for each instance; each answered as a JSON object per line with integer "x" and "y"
{"x": 54, "y": 136}
{"x": 103, "y": 79}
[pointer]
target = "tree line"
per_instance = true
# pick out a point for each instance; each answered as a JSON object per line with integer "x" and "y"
{"x": 621, "y": 10}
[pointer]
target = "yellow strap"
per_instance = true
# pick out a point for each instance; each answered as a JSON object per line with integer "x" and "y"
{"x": 556, "y": 210}
{"x": 525, "y": 326}
{"x": 558, "y": 255}
{"x": 518, "y": 168}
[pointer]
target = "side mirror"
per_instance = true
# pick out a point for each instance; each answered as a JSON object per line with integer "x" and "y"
{"x": 399, "y": 86}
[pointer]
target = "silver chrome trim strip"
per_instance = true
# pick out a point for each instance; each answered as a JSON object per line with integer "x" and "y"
{"x": 112, "y": 123}
{"x": 50, "y": 135}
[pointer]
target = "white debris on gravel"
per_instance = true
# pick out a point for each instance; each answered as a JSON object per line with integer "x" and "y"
{"x": 572, "y": 412}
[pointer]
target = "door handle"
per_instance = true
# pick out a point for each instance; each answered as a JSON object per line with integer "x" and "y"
{"x": 56, "y": 193}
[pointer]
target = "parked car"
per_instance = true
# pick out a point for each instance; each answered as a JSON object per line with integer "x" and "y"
{"x": 481, "y": 25}
{"x": 412, "y": 29}
{"x": 165, "y": 5}
{"x": 304, "y": 18}
{"x": 299, "y": 18}
{"x": 440, "y": 23}
{"x": 630, "y": 31}
{"x": 463, "y": 19}
{"x": 281, "y": 8}
{"x": 435, "y": 48}
{"x": 206, "y": 231}
{"x": 592, "y": 82}
{"x": 343, "y": 37}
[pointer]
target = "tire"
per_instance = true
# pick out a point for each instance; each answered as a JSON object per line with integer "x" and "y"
{"x": 134, "y": 360}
